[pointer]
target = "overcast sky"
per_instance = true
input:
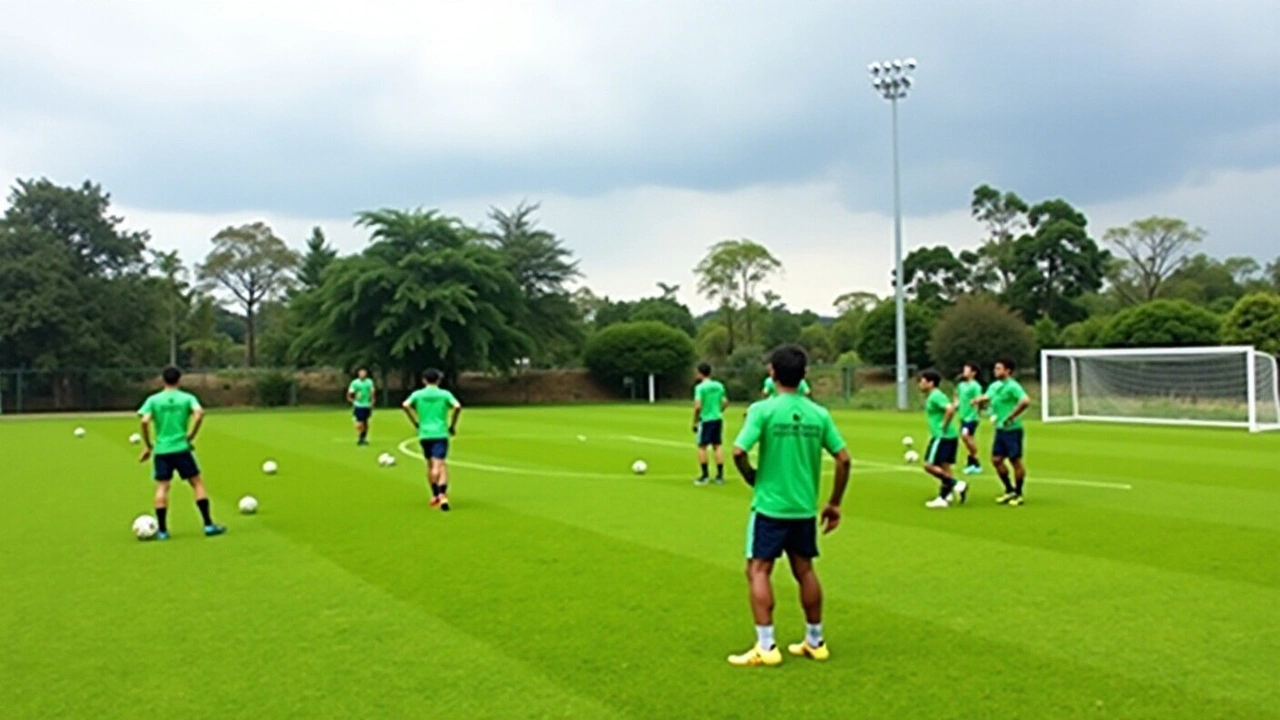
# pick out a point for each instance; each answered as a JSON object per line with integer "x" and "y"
{"x": 650, "y": 129}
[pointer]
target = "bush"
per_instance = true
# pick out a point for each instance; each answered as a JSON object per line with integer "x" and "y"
{"x": 1255, "y": 320}
{"x": 637, "y": 349}
{"x": 817, "y": 341}
{"x": 1047, "y": 333}
{"x": 980, "y": 330}
{"x": 877, "y": 337}
{"x": 664, "y": 310}
{"x": 273, "y": 389}
{"x": 713, "y": 342}
{"x": 744, "y": 373}
{"x": 1084, "y": 334}
{"x": 1161, "y": 323}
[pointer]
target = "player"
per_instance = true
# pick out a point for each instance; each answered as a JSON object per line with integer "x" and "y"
{"x": 362, "y": 395}
{"x": 770, "y": 388}
{"x": 177, "y": 417}
{"x": 943, "y": 441}
{"x": 1008, "y": 401}
{"x": 791, "y": 431}
{"x": 709, "y": 404}
{"x": 429, "y": 409}
{"x": 968, "y": 390}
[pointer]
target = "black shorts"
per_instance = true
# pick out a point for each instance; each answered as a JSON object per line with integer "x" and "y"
{"x": 183, "y": 463}
{"x": 710, "y": 432}
{"x": 941, "y": 451}
{"x": 435, "y": 449}
{"x": 970, "y": 428}
{"x": 1008, "y": 444}
{"x": 768, "y": 538}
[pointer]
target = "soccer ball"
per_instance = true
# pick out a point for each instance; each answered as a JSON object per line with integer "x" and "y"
{"x": 911, "y": 456}
{"x": 639, "y": 467}
{"x": 248, "y": 505}
{"x": 269, "y": 467}
{"x": 134, "y": 439}
{"x": 79, "y": 432}
{"x": 908, "y": 441}
{"x": 145, "y": 527}
{"x": 387, "y": 460}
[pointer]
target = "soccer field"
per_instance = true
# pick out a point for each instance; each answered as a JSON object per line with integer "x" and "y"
{"x": 1141, "y": 580}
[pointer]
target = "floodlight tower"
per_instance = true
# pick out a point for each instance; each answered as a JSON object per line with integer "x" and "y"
{"x": 892, "y": 79}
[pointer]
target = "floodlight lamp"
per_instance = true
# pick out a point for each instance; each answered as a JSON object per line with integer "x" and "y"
{"x": 910, "y": 63}
{"x": 874, "y": 68}
{"x": 897, "y": 64}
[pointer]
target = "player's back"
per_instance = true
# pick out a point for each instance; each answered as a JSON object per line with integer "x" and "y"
{"x": 432, "y": 405}
{"x": 792, "y": 432}
{"x": 171, "y": 411}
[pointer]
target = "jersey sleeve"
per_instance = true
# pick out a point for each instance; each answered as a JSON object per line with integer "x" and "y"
{"x": 453, "y": 400}
{"x": 193, "y": 402}
{"x": 410, "y": 401}
{"x": 832, "y": 441}
{"x": 145, "y": 409}
{"x": 804, "y": 387}
{"x": 749, "y": 436}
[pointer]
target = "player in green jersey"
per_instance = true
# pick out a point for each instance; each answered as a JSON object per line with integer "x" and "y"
{"x": 177, "y": 417}
{"x": 362, "y": 395}
{"x": 791, "y": 431}
{"x": 944, "y": 441}
{"x": 968, "y": 390}
{"x": 770, "y": 388}
{"x": 434, "y": 413}
{"x": 709, "y": 404}
{"x": 1008, "y": 401}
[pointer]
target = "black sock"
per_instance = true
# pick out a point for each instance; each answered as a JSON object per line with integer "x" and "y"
{"x": 948, "y": 484}
{"x": 363, "y": 434}
{"x": 435, "y": 489}
{"x": 704, "y": 470}
{"x": 1018, "y": 485}
{"x": 973, "y": 461}
{"x": 203, "y": 504}
{"x": 720, "y": 471}
{"x": 162, "y": 518}
{"x": 1004, "y": 478}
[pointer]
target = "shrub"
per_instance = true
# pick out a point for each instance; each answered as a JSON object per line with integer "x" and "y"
{"x": 980, "y": 330}
{"x": 744, "y": 373}
{"x": 273, "y": 389}
{"x": 1255, "y": 320}
{"x": 877, "y": 337}
{"x": 1161, "y": 323}
{"x": 1084, "y": 334}
{"x": 817, "y": 341}
{"x": 713, "y": 342}
{"x": 637, "y": 349}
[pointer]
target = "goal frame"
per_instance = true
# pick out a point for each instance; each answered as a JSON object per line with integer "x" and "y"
{"x": 1250, "y": 354}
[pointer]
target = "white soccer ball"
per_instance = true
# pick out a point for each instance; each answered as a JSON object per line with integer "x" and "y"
{"x": 79, "y": 432}
{"x": 134, "y": 439}
{"x": 269, "y": 467}
{"x": 639, "y": 467}
{"x": 908, "y": 441}
{"x": 387, "y": 460}
{"x": 911, "y": 456}
{"x": 248, "y": 504}
{"x": 145, "y": 527}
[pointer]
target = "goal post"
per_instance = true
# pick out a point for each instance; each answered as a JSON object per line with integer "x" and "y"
{"x": 1232, "y": 386}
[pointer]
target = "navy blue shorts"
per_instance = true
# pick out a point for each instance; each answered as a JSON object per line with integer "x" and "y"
{"x": 1008, "y": 444}
{"x": 941, "y": 451}
{"x": 183, "y": 463}
{"x": 362, "y": 414}
{"x": 970, "y": 428}
{"x": 710, "y": 432}
{"x": 768, "y": 538}
{"x": 435, "y": 449}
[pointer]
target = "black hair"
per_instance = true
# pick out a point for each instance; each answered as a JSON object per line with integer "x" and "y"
{"x": 704, "y": 370}
{"x": 932, "y": 376}
{"x": 171, "y": 375}
{"x": 789, "y": 363}
{"x": 1008, "y": 364}
{"x": 977, "y": 369}
{"x": 432, "y": 376}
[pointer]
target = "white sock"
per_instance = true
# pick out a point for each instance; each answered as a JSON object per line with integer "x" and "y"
{"x": 764, "y": 637}
{"x": 813, "y": 634}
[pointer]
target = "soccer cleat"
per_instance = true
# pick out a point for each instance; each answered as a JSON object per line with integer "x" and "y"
{"x": 701, "y": 482}
{"x": 757, "y": 656}
{"x": 718, "y": 481}
{"x": 211, "y": 530}
{"x": 444, "y": 502}
{"x": 1005, "y": 498}
{"x": 162, "y": 535}
{"x": 938, "y": 502}
{"x": 435, "y": 500}
{"x": 1015, "y": 501}
{"x": 804, "y": 649}
{"x": 960, "y": 493}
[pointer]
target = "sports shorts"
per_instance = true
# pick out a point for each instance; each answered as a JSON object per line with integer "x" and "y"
{"x": 183, "y": 463}
{"x": 768, "y": 538}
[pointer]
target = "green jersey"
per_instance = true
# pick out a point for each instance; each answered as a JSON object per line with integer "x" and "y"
{"x": 935, "y": 413}
{"x": 711, "y": 394}
{"x": 1005, "y": 396}
{"x": 966, "y": 392}
{"x": 432, "y": 405}
{"x": 792, "y": 431}
{"x": 771, "y": 388}
{"x": 361, "y": 392}
{"x": 170, "y": 412}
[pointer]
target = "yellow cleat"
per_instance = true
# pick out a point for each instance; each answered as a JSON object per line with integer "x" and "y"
{"x": 757, "y": 656}
{"x": 804, "y": 649}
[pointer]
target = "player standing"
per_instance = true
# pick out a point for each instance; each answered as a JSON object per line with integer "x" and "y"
{"x": 177, "y": 416}
{"x": 1008, "y": 401}
{"x": 968, "y": 390}
{"x": 709, "y": 404}
{"x": 434, "y": 413}
{"x": 362, "y": 395}
{"x": 770, "y": 388}
{"x": 944, "y": 441}
{"x": 792, "y": 431}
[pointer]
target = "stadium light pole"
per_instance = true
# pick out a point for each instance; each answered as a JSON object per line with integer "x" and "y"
{"x": 892, "y": 79}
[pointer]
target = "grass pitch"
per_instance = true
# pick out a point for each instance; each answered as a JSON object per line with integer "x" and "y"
{"x": 1141, "y": 580}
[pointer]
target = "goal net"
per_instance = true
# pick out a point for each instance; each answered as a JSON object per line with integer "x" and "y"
{"x": 1215, "y": 386}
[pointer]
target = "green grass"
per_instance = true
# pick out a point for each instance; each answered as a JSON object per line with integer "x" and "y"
{"x": 1142, "y": 579}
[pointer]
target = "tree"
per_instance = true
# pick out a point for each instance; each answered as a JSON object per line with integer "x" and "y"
{"x": 1155, "y": 248}
{"x": 1004, "y": 217}
{"x": 319, "y": 256}
{"x": 636, "y": 350}
{"x": 169, "y": 264}
{"x": 934, "y": 276}
{"x": 732, "y": 272}
{"x": 877, "y": 336}
{"x": 1161, "y": 323}
{"x": 817, "y": 341}
{"x": 255, "y": 266}
{"x": 856, "y": 301}
{"x": 1047, "y": 334}
{"x": 666, "y": 310}
{"x": 713, "y": 341}
{"x": 1056, "y": 264}
{"x": 1203, "y": 280}
{"x": 852, "y": 308}
{"x": 1084, "y": 334}
{"x": 668, "y": 291}
{"x": 1255, "y": 320}
{"x": 781, "y": 327}
{"x": 980, "y": 330}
